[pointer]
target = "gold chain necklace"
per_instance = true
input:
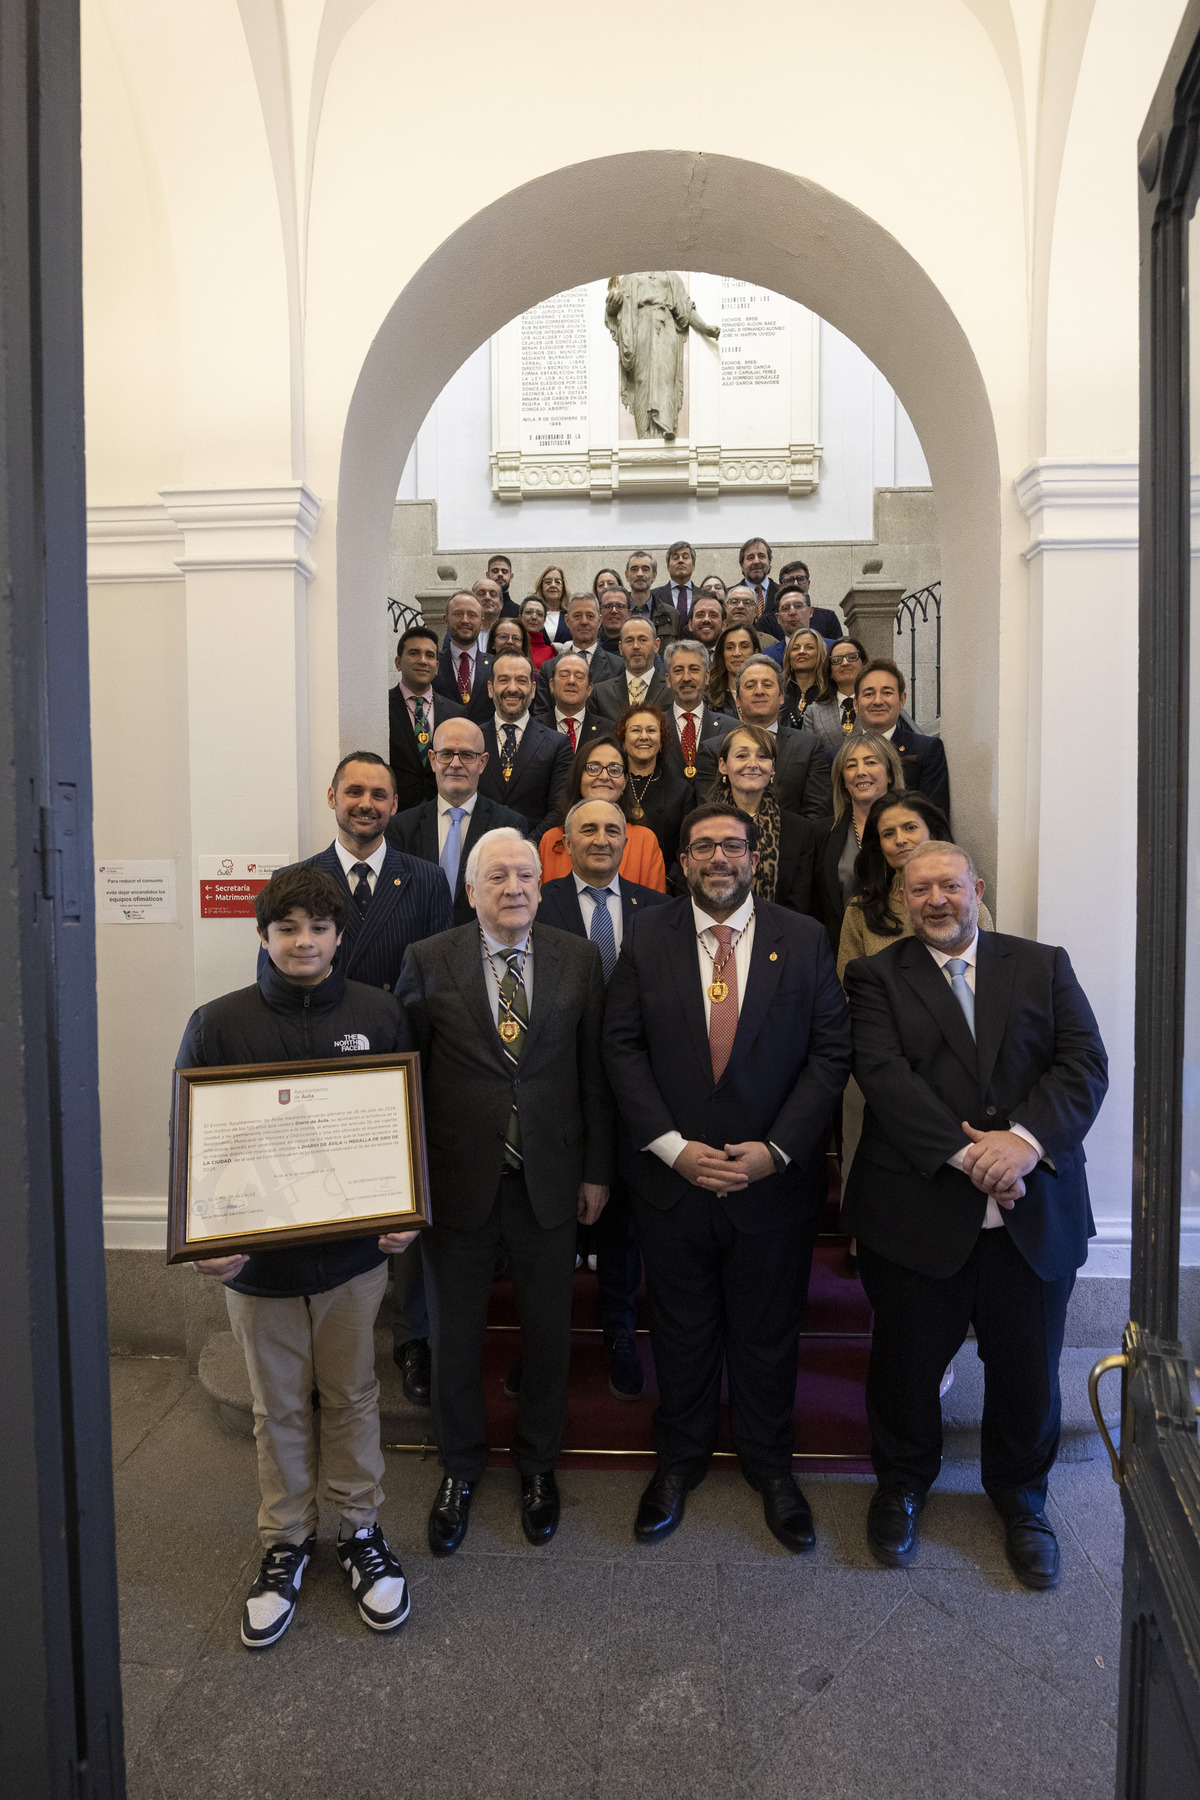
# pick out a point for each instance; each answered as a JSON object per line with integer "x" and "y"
{"x": 718, "y": 989}
{"x": 637, "y": 811}
{"x": 509, "y": 1027}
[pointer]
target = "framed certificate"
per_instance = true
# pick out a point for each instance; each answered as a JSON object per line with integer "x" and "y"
{"x": 266, "y": 1155}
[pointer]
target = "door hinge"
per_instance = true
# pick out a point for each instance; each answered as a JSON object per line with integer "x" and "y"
{"x": 59, "y": 849}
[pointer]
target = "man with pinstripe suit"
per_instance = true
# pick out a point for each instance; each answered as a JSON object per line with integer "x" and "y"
{"x": 395, "y": 900}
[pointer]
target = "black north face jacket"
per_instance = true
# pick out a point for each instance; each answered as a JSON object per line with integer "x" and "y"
{"x": 277, "y": 1021}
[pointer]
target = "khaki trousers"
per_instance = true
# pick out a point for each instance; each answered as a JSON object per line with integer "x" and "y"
{"x": 323, "y": 1341}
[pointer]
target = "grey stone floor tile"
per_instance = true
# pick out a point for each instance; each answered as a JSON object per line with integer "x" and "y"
{"x": 1057, "y": 1635}
{"x": 141, "y": 1777}
{"x": 927, "y": 1709}
{"x": 144, "y": 1693}
{"x": 186, "y": 1501}
{"x": 785, "y": 1633}
{"x": 546, "y": 1624}
{"x": 1089, "y": 1503}
{"x": 335, "y": 1709}
{"x": 143, "y": 1390}
{"x": 665, "y": 1729}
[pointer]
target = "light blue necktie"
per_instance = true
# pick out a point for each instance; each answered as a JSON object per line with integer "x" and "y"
{"x": 956, "y": 968}
{"x": 601, "y": 932}
{"x": 451, "y": 855}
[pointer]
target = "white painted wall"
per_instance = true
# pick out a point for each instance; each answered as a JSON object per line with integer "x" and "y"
{"x": 868, "y": 440}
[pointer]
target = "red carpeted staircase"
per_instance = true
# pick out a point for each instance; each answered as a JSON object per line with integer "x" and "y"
{"x": 831, "y": 1425}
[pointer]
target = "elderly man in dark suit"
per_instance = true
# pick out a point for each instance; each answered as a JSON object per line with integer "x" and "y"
{"x": 464, "y": 670}
{"x": 447, "y": 829}
{"x": 507, "y": 1015}
{"x": 414, "y": 714}
{"x": 594, "y": 902}
{"x": 802, "y": 779}
{"x": 983, "y": 1070}
{"x": 727, "y": 1044}
{"x": 527, "y": 762}
{"x": 879, "y": 697}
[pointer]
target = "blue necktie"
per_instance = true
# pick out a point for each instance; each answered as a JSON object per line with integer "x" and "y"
{"x": 451, "y": 855}
{"x": 601, "y": 932}
{"x": 956, "y": 968}
{"x": 361, "y": 891}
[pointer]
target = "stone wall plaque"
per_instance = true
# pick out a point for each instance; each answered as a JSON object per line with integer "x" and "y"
{"x": 752, "y": 412}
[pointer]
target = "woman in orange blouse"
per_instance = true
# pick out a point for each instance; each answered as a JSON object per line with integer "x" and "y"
{"x": 599, "y": 771}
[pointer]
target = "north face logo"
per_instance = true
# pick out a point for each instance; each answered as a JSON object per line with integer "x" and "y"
{"x": 353, "y": 1040}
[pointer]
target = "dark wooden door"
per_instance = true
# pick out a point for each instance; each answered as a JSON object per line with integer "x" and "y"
{"x": 1159, "y": 1460}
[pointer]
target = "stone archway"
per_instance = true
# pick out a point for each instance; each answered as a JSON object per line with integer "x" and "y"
{"x": 654, "y": 209}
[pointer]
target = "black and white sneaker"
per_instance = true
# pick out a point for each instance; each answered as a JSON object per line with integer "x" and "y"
{"x": 376, "y": 1578}
{"x": 272, "y": 1600}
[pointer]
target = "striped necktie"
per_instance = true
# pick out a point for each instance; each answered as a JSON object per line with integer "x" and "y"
{"x": 602, "y": 933}
{"x": 514, "y": 1006}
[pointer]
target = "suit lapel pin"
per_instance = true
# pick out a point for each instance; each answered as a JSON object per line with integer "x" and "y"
{"x": 774, "y": 956}
{"x": 396, "y": 882}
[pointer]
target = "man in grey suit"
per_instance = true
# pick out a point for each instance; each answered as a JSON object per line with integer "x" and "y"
{"x": 640, "y": 681}
{"x": 519, "y": 1125}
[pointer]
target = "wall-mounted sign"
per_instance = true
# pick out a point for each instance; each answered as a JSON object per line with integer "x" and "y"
{"x": 135, "y": 893}
{"x": 228, "y": 884}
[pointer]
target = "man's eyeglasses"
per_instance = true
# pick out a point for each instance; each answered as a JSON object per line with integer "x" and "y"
{"x": 615, "y": 771}
{"x": 703, "y": 849}
{"x": 468, "y": 758}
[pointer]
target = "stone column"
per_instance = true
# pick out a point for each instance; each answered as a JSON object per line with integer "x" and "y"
{"x": 870, "y": 610}
{"x": 246, "y": 575}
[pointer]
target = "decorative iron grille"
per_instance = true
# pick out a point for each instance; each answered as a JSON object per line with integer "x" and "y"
{"x": 914, "y": 608}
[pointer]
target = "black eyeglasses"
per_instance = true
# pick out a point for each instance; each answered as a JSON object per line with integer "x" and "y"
{"x": 703, "y": 849}
{"x": 616, "y": 770}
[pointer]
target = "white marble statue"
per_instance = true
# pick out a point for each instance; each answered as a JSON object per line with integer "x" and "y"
{"x": 649, "y": 315}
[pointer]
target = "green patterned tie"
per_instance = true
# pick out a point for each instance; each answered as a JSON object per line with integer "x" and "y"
{"x": 421, "y": 726}
{"x": 512, "y": 991}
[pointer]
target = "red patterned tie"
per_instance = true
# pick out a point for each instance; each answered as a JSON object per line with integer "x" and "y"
{"x": 687, "y": 742}
{"x": 570, "y": 725}
{"x": 723, "y": 1014}
{"x": 464, "y": 677}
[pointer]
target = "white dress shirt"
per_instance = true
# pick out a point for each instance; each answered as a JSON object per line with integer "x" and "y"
{"x": 494, "y": 976}
{"x": 587, "y": 907}
{"x": 443, "y": 821}
{"x": 560, "y": 722}
{"x": 992, "y": 1217}
{"x": 668, "y": 1146}
{"x": 374, "y": 862}
{"x": 681, "y": 719}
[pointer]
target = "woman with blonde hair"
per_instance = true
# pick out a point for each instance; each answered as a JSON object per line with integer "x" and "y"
{"x": 864, "y": 769}
{"x": 805, "y": 676}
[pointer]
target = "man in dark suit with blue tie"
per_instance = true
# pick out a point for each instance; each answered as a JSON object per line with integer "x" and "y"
{"x": 445, "y": 830}
{"x": 594, "y": 902}
{"x": 527, "y": 762}
{"x": 983, "y": 1070}
{"x": 464, "y": 670}
{"x": 727, "y": 1045}
{"x": 395, "y": 900}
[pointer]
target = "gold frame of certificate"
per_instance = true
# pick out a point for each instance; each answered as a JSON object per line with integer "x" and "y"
{"x": 267, "y": 1155}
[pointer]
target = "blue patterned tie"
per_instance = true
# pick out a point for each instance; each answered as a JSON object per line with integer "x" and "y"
{"x": 361, "y": 891}
{"x": 601, "y": 932}
{"x": 956, "y": 968}
{"x": 451, "y": 855}
{"x": 509, "y": 752}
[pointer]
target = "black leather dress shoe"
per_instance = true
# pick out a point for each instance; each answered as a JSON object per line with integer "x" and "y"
{"x": 448, "y": 1516}
{"x": 661, "y": 1507}
{"x": 892, "y": 1525}
{"x": 1032, "y": 1550}
{"x": 788, "y": 1514}
{"x": 539, "y": 1507}
{"x": 416, "y": 1375}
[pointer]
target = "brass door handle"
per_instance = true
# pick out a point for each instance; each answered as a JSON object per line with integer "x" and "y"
{"x": 1102, "y": 1368}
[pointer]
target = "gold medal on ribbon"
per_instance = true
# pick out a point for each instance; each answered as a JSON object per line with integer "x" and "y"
{"x": 507, "y": 772}
{"x": 422, "y": 737}
{"x": 510, "y": 1030}
{"x": 690, "y": 771}
{"x": 718, "y": 991}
